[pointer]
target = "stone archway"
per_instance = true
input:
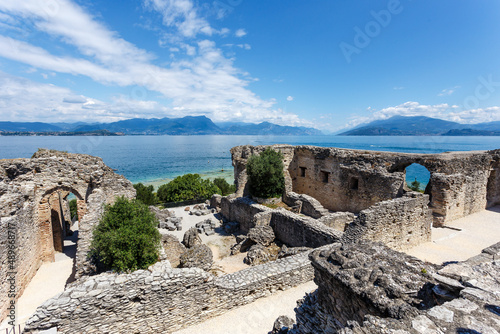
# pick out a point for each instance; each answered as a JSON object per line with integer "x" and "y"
{"x": 54, "y": 218}
{"x": 421, "y": 174}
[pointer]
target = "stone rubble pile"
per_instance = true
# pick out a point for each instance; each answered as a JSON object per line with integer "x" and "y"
{"x": 173, "y": 249}
{"x": 167, "y": 219}
{"x": 231, "y": 227}
{"x": 198, "y": 256}
{"x": 191, "y": 238}
{"x": 207, "y": 226}
{"x": 201, "y": 210}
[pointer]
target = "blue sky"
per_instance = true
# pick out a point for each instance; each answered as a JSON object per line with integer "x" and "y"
{"x": 327, "y": 64}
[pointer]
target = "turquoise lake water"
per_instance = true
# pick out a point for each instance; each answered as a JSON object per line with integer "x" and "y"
{"x": 151, "y": 159}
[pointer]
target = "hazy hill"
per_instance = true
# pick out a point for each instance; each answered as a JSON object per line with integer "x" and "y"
{"x": 422, "y": 126}
{"x": 28, "y": 126}
{"x": 266, "y": 128}
{"x": 189, "y": 125}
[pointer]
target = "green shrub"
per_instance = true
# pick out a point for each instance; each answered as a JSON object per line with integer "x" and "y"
{"x": 415, "y": 186}
{"x": 265, "y": 173}
{"x": 146, "y": 194}
{"x": 73, "y": 208}
{"x": 187, "y": 187}
{"x": 224, "y": 187}
{"x": 126, "y": 238}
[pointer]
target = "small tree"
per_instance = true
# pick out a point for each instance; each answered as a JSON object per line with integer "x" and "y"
{"x": 126, "y": 237}
{"x": 224, "y": 187}
{"x": 415, "y": 185}
{"x": 146, "y": 194}
{"x": 73, "y": 208}
{"x": 187, "y": 187}
{"x": 265, "y": 173}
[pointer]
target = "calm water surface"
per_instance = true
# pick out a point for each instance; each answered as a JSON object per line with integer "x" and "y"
{"x": 149, "y": 158}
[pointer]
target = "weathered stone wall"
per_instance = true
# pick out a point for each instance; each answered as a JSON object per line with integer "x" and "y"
{"x": 400, "y": 223}
{"x": 29, "y": 193}
{"x": 352, "y": 180}
{"x": 300, "y": 231}
{"x": 493, "y": 189}
{"x": 308, "y": 205}
{"x": 240, "y": 155}
{"x": 290, "y": 228}
{"x": 242, "y": 210}
{"x": 367, "y": 288}
{"x": 338, "y": 220}
{"x": 343, "y": 180}
{"x": 162, "y": 299}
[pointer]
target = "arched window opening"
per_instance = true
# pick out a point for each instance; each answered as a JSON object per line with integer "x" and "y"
{"x": 417, "y": 178}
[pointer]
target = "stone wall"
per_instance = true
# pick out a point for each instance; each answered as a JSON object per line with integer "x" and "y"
{"x": 240, "y": 155}
{"x": 31, "y": 189}
{"x": 353, "y": 180}
{"x": 367, "y": 288}
{"x": 306, "y": 204}
{"x": 300, "y": 231}
{"x": 162, "y": 299}
{"x": 493, "y": 190}
{"x": 400, "y": 223}
{"x": 290, "y": 228}
{"x": 242, "y": 210}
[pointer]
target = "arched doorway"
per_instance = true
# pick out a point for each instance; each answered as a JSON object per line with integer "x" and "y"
{"x": 417, "y": 178}
{"x": 55, "y": 222}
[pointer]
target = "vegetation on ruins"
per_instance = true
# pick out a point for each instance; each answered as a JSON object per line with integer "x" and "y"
{"x": 265, "y": 173}
{"x": 187, "y": 187}
{"x": 415, "y": 186}
{"x": 224, "y": 186}
{"x": 145, "y": 194}
{"x": 73, "y": 209}
{"x": 126, "y": 238}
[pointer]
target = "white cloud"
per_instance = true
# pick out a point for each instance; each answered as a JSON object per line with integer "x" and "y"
{"x": 398, "y": 88}
{"x": 182, "y": 15}
{"x": 448, "y": 91}
{"x": 442, "y": 111}
{"x": 289, "y": 98}
{"x": 204, "y": 82}
{"x": 244, "y": 46}
{"x": 240, "y": 33}
{"x": 75, "y": 99}
{"x": 23, "y": 99}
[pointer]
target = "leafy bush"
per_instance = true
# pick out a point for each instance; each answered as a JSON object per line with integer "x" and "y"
{"x": 73, "y": 208}
{"x": 224, "y": 187}
{"x": 126, "y": 237}
{"x": 146, "y": 194}
{"x": 187, "y": 187}
{"x": 265, "y": 173}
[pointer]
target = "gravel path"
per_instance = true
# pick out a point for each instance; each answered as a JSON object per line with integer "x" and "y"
{"x": 255, "y": 318}
{"x": 462, "y": 239}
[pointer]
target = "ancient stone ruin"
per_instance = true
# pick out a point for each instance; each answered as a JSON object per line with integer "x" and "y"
{"x": 343, "y": 180}
{"x": 350, "y": 215}
{"x": 33, "y": 201}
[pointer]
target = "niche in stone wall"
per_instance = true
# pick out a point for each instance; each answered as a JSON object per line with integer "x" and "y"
{"x": 324, "y": 176}
{"x": 354, "y": 183}
{"x": 302, "y": 171}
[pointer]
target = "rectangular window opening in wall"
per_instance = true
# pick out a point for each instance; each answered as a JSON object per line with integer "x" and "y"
{"x": 302, "y": 171}
{"x": 324, "y": 176}
{"x": 353, "y": 183}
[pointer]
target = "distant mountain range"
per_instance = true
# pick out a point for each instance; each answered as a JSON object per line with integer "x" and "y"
{"x": 189, "y": 125}
{"x": 423, "y": 126}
